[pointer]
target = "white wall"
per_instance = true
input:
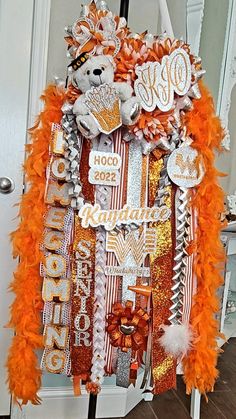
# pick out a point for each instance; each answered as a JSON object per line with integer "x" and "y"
{"x": 230, "y": 157}
{"x": 211, "y": 51}
{"x": 212, "y": 41}
{"x": 142, "y": 15}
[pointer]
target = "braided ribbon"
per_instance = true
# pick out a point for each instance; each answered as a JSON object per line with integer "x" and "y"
{"x": 103, "y": 196}
{"x": 99, "y": 322}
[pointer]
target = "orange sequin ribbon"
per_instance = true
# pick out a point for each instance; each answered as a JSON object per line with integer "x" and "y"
{"x": 82, "y": 300}
{"x": 161, "y": 265}
{"x": 83, "y": 285}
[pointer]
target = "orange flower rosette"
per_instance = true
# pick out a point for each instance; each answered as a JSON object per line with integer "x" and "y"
{"x": 99, "y": 32}
{"x": 128, "y": 327}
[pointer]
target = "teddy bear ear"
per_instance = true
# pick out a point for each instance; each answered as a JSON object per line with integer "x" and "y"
{"x": 111, "y": 59}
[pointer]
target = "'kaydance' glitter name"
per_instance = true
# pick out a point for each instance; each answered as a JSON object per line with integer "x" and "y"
{"x": 94, "y": 216}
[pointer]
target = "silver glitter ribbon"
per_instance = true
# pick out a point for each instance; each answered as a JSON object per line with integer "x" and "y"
{"x": 103, "y": 196}
{"x": 74, "y": 142}
{"x": 133, "y": 200}
{"x": 123, "y": 368}
{"x": 147, "y": 376}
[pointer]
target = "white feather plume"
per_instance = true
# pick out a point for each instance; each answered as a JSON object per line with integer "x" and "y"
{"x": 177, "y": 339}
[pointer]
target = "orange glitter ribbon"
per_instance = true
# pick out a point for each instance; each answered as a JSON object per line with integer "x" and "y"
{"x": 82, "y": 300}
{"x": 161, "y": 265}
{"x": 128, "y": 328}
{"x": 81, "y": 356}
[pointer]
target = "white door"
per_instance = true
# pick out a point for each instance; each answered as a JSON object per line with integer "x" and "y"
{"x": 33, "y": 50}
{"x": 15, "y": 46}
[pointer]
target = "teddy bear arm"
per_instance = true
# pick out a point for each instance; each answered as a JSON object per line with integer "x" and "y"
{"x": 124, "y": 90}
{"x": 80, "y": 107}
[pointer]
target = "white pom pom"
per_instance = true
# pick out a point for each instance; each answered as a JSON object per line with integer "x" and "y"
{"x": 177, "y": 339}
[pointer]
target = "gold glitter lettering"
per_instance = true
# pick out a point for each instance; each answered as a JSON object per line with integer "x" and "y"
{"x": 57, "y": 336}
{"x": 57, "y": 193}
{"x": 55, "y": 361}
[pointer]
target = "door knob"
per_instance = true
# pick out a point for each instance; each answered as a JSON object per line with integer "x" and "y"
{"x": 6, "y": 185}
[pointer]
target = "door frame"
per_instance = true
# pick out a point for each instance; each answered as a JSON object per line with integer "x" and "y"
{"x": 15, "y": 47}
{"x": 39, "y": 57}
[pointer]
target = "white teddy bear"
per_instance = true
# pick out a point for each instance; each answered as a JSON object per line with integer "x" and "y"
{"x": 95, "y": 71}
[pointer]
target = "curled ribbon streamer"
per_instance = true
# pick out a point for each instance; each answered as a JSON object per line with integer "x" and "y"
{"x": 180, "y": 259}
{"x": 74, "y": 142}
{"x": 96, "y": 32}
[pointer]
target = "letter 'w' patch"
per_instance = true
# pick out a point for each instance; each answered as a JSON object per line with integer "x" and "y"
{"x": 139, "y": 247}
{"x": 186, "y": 164}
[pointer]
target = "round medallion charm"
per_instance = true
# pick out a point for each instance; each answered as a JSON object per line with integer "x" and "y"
{"x": 184, "y": 167}
{"x": 127, "y": 330}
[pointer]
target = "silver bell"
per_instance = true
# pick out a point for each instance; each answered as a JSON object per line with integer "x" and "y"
{"x": 68, "y": 30}
{"x": 84, "y": 10}
{"x": 102, "y": 5}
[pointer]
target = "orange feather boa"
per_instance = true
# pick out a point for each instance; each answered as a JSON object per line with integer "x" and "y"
{"x": 24, "y": 375}
{"x": 200, "y": 365}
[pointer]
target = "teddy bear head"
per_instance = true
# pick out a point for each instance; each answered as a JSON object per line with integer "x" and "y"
{"x": 96, "y": 70}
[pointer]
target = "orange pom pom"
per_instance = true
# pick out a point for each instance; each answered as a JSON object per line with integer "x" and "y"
{"x": 93, "y": 388}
